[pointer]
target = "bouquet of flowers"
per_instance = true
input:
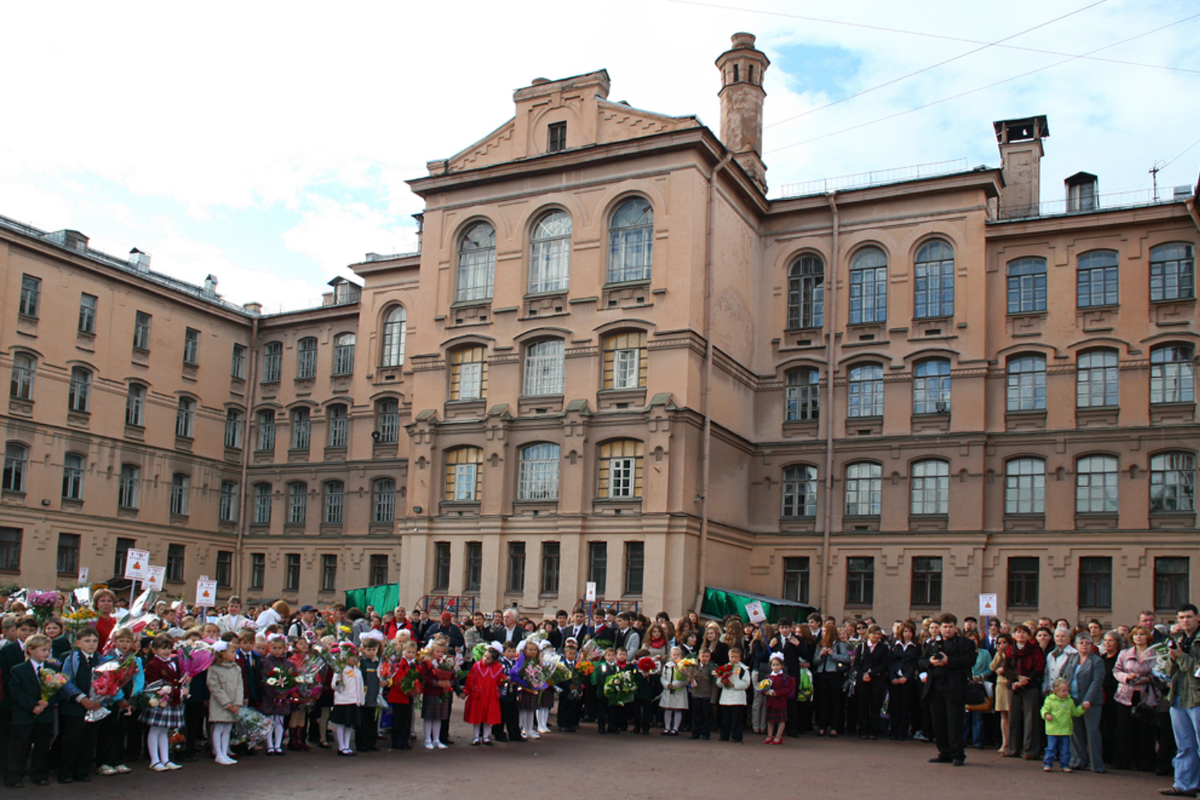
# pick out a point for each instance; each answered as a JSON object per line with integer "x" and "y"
{"x": 331, "y": 655}
{"x": 529, "y": 674}
{"x": 308, "y": 680}
{"x": 250, "y": 727}
{"x": 685, "y": 668}
{"x": 393, "y": 649}
{"x": 619, "y": 688}
{"x": 724, "y": 674}
{"x": 804, "y": 686}
{"x": 1162, "y": 661}
{"x": 282, "y": 680}
{"x": 763, "y": 685}
{"x": 177, "y": 741}
{"x": 136, "y": 619}
{"x": 584, "y": 669}
{"x": 593, "y": 650}
{"x": 153, "y": 695}
{"x": 107, "y": 680}
{"x": 51, "y": 682}
{"x": 42, "y": 605}
{"x": 195, "y": 657}
{"x": 410, "y": 684}
{"x": 78, "y": 619}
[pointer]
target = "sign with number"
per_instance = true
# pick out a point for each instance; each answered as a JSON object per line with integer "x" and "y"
{"x": 83, "y": 573}
{"x": 987, "y": 605}
{"x": 154, "y": 578}
{"x": 589, "y": 593}
{"x": 206, "y": 593}
{"x": 755, "y": 610}
{"x": 137, "y": 565}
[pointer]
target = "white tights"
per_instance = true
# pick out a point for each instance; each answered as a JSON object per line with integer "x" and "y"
{"x": 158, "y": 742}
{"x": 483, "y": 732}
{"x": 543, "y": 718}
{"x": 275, "y": 737}
{"x": 221, "y": 732}
{"x": 343, "y": 733}
{"x": 433, "y": 731}
{"x": 526, "y": 719}
{"x": 671, "y": 719}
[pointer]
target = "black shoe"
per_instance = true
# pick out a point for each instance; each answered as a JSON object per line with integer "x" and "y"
{"x": 695, "y": 736}
{"x": 41, "y": 781}
{"x": 959, "y": 762}
{"x": 939, "y": 760}
{"x": 704, "y": 736}
{"x": 67, "y": 779}
{"x": 17, "y": 785}
{"x": 82, "y": 778}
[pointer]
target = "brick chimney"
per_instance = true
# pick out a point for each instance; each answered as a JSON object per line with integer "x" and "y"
{"x": 742, "y": 68}
{"x": 1021, "y": 164}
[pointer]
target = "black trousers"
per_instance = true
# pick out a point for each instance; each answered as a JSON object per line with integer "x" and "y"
{"x": 1134, "y": 741}
{"x": 444, "y": 733}
{"x": 401, "y": 725}
{"x": 828, "y": 700}
{"x": 119, "y": 738}
{"x": 366, "y": 734}
{"x": 946, "y": 708}
{"x": 900, "y": 706}
{"x": 193, "y": 721}
{"x": 701, "y": 711}
{"x": 643, "y": 715}
{"x": 29, "y": 743}
{"x": 870, "y": 705}
{"x": 78, "y": 746}
{"x": 510, "y": 722}
{"x": 733, "y": 721}
{"x": 569, "y": 710}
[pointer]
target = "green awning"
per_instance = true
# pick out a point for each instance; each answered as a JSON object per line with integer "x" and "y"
{"x": 384, "y": 597}
{"x": 720, "y": 603}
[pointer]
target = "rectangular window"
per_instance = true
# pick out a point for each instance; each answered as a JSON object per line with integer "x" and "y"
{"x": 233, "y": 429}
{"x": 272, "y": 362}
{"x": 266, "y": 430}
{"x": 306, "y": 359}
{"x": 227, "y": 508}
{"x": 474, "y": 574}
{"x": 379, "y": 569}
{"x": 122, "y": 553}
{"x": 291, "y": 573}
{"x": 135, "y": 405}
{"x": 625, "y": 369}
{"x": 258, "y": 570}
{"x": 175, "y": 563}
{"x": 328, "y": 573}
{"x": 1172, "y": 272}
{"x": 301, "y": 429}
{"x": 180, "y": 486}
{"x": 470, "y": 379}
{"x": 550, "y": 567}
{"x": 544, "y": 368}
{"x": 1095, "y": 582}
{"x": 1027, "y": 286}
{"x": 31, "y": 296}
{"x": 338, "y": 426}
{"x": 441, "y": 566}
{"x": 10, "y": 549}
{"x": 385, "y": 500}
{"x": 237, "y": 367}
{"x": 389, "y": 422}
{"x": 598, "y": 566}
{"x": 635, "y": 567}
{"x": 68, "y": 554}
{"x": 1023, "y": 582}
{"x": 558, "y": 137}
{"x": 343, "y": 354}
{"x": 926, "y": 581}
{"x": 127, "y": 489}
{"x": 87, "y": 313}
{"x": 297, "y": 503}
{"x": 620, "y": 478}
{"x": 516, "y": 567}
{"x": 860, "y": 581}
{"x": 796, "y": 578}
{"x": 262, "y": 504}
{"x": 868, "y": 295}
{"x": 224, "y": 568}
{"x": 934, "y": 289}
{"x": 73, "y": 467}
{"x": 335, "y": 492}
{"x": 24, "y": 370}
{"x": 1171, "y": 579}
{"x": 191, "y": 346}
{"x": 141, "y": 331}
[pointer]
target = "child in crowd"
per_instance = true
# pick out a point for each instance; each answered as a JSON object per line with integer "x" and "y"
{"x": 1059, "y": 711}
{"x": 482, "y": 708}
{"x": 701, "y": 688}
{"x": 674, "y": 698}
{"x": 161, "y": 719}
{"x": 226, "y": 695}
{"x": 437, "y": 688}
{"x": 607, "y": 715}
{"x": 119, "y": 737}
{"x": 32, "y": 717}
{"x": 367, "y": 735}
{"x": 78, "y": 735}
{"x": 530, "y": 695}
{"x": 349, "y": 693}
{"x": 648, "y": 685}
{"x": 733, "y": 697}
{"x": 570, "y": 698}
{"x": 399, "y": 700}
{"x": 297, "y": 720}
{"x": 509, "y": 729}
{"x": 781, "y": 688}
{"x": 275, "y": 702}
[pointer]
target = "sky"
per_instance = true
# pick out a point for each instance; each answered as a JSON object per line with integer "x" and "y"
{"x": 268, "y": 143}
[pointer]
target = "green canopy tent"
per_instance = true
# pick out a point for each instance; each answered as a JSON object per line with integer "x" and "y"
{"x": 384, "y": 597}
{"x": 720, "y": 603}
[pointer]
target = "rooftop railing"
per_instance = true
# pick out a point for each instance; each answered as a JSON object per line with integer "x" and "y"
{"x": 863, "y": 180}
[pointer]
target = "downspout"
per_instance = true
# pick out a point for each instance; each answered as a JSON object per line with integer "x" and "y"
{"x": 706, "y": 457}
{"x": 251, "y": 356}
{"x": 830, "y": 348}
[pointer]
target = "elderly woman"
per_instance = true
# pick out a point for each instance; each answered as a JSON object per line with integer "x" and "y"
{"x": 1087, "y": 690}
{"x": 1135, "y": 736}
{"x": 1111, "y": 645}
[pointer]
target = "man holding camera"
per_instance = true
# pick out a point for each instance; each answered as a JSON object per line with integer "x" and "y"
{"x": 949, "y": 666}
{"x": 1184, "y": 669}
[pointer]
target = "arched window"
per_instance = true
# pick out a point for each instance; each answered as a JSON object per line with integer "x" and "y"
{"x": 301, "y": 428}
{"x": 550, "y": 254}
{"x": 1172, "y": 272}
{"x": 931, "y": 386}
{"x": 1096, "y": 379}
{"x": 1173, "y": 482}
{"x": 181, "y": 486}
{"x": 343, "y": 354}
{"x": 544, "y": 367}
{"x": 185, "y": 417}
{"x": 464, "y": 480}
{"x": 538, "y": 478}
{"x": 631, "y": 241}
{"x": 1172, "y": 377}
{"x": 135, "y": 405}
{"x": 934, "y": 290}
{"x": 306, "y": 358}
{"x": 1096, "y": 279}
{"x": 262, "y": 504}
{"x": 395, "y": 326}
{"x": 866, "y": 390}
{"x": 799, "y": 491}
{"x": 1096, "y": 485}
{"x": 227, "y": 503}
{"x": 868, "y": 286}
{"x": 468, "y": 373}
{"x": 1027, "y": 382}
{"x": 80, "y": 389}
{"x": 339, "y": 423}
{"x": 625, "y": 360}
{"x": 387, "y": 421}
{"x": 1026, "y": 285}
{"x": 335, "y": 494}
{"x": 476, "y": 263}
{"x": 233, "y": 428}
{"x": 297, "y": 503}
{"x": 864, "y": 490}
{"x": 272, "y": 362}
{"x": 1025, "y": 486}
{"x": 16, "y": 466}
{"x": 24, "y": 369}
{"x": 620, "y": 473}
{"x": 73, "y": 467}
{"x": 383, "y": 500}
{"x": 129, "y": 486}
{"x": 930, "y": 485}
{"x": 806, "y": 293}
{"x": 802, "y": 395}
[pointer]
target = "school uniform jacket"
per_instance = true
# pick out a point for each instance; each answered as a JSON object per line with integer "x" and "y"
{"x": 873, "y": 662}
{"x": 11, "y": 654}
{"x": 25, "y": 691}
{"x": 78, "y": 669}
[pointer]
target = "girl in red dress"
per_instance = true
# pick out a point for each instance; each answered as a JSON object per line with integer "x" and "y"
{"x": 483, "y": 695}
{"x": 781, "y": 688}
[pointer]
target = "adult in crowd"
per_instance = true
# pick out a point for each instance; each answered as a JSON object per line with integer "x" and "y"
{"x": 1025, "y": 699}
{"x": 1087, "y": 690}
{"x": 949, "y": 667}
{"x": 104, "y": 603}
{"x": 509, "y": 631}
{"x": 275, "y": 614}
{"x": 1137, "y": 699}
{"x": 305, "y": 624}
{"x": 1182, "y": 666}
{"x": 1111, "y": 644}
{"x": 830, "y": 664}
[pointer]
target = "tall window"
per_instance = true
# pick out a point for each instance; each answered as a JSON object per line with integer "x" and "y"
{"x": 180, "y": 489}
{"x": 335, "y": 496}
{"x": 864, "y": 490}
{"x": 291, "y": 573}
{"x": 272, "y": 362}
{"x": 1096, "y": 485}
{"x": 468, "y": 373}
{"x": 926, "y": 581}
{"x": 191, "y": 346}
{"x": 934, "y": 293}
{"x": 237, "y": 363}
{"x": 1027, "y": 383}
{"x": 80, "y": 390}
{"x": 1025, "y": 486}
{"x": 135, "y": 405}
{"x": 550, "y": 255}
{"x": 306, "y": 358}
{"x": 544, "y": 367}
{"x": 31, "y": 296}
{"x": 464, "y": 480}
{"x": 141, "y": 330}
{"x": 121, "y": 554}
{"x": 1026, "y": 285}
{"x": 297, "y": 503}
{"x": 388, "y": 421}
{"x": 16, "y": 466}
{"x": 301, "y": 428}
{"x": 866, "y": 390}
{"x": 802, "y": 395}
{"x": 24, "y": 369}
{"x": 625, "y": 360}
{"x": 860, "y": 581}
{"x": 266, "y": 430}
{"x": 262, "y": 504}
{"x": 1171, "y": 582}
{"x": 635, "y": 567}
{"x": 796, "y": 578}
{"x": 175, "y": 555}
{"x": 329, "y": 572}
{"x": 1023, "y": 582}
{"x": 73, "y": 467}
{"x": 631, "y": 242}
{"x": 1096, "y": 379}
{"x": 551, "y": 561}
{"x": 234, "y": 419}
{"x": 185, "y": 417}
{"x": 931, "y": 386}
{"x": 516, "y": 567}
{"x": 441, "y": 566}
{"x": 930, "y": 487}
{"x": 10, "y": 549}
{"x": 338, "y": 425}
{"x": 384, "y": 500}
{"x": 800, "y": 491}
{"x": 227, "y": 503}
{"x": 87, "y": 313}
{"x": 598, "y": 566}
{"x": 224, "y": 569}
{"x": 1172, "y": 272}
{"x": 620, "y": 469}
{"x": 127, "y": 489}
{"x": 68, "y": 554}
{"x": 1096, "y": 279}
{"x": 557, "y": 137}
{"x": 379, "y": 569}
{"x": 1171, "y": 374}
{"x": 868, "y": 286}
{"x": 343, "y": 354}
{"x": 1095, "y": 582}
{"x": 806, "y": 293}
{"x": 538, "y": 478}
{"x": 258, "y": 570}
{"x": 1173, "y": 482}
{"x": 473, "y": 576}
{"x": 476, "y": 263}
{"x": 394, "y": 331}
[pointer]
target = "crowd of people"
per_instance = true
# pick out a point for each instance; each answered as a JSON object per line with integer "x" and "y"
{"x": 349, "y": 679}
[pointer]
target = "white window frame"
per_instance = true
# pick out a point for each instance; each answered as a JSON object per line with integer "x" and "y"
{"x": 544, "y": 367}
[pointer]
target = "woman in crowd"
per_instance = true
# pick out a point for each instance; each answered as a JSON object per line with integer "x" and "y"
{"x": 1137, "y": 699}
{"x": 1000, "y": 667}
{"x": 1111, "y": 645}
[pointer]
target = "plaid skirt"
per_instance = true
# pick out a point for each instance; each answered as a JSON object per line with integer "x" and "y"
{"x": 436, "y": 707}
{"x": 775, "y": 715}
{"x": 529, "y": 701}
{"x": 163, "y": 717}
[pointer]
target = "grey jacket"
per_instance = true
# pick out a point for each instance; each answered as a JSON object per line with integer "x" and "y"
{"x": 831, "y": 663}
{"x": 225, "y": 688}
{"x": 1088, "y": 679}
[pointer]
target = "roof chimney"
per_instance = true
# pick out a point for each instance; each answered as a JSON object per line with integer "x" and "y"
{"x": 139, "y": 260}
{"x": 210, "y": 286}
{"x": 742, "y": 68}
{"x": 253, "y": 308}
{"x": 1021, "y": 154}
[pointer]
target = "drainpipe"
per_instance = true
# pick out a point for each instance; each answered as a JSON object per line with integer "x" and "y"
{"x": 830, "y": 348}
{"x": 706, "y": 458}
{"x": 251, "y": 375}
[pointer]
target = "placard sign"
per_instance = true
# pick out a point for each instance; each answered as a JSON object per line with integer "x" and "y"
{"x": 987, "y": 605}
{"x": 137, "y": 565}
{"x": 83, "y": 573}
{"x": 755, "y": 610}
{"x": 206, "y": 593}
{"x": 154, "y": 578}
{"x": 589, "y": 593}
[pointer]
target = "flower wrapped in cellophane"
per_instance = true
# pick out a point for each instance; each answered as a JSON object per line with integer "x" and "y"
{"x": 51, "y": 682}
{"x": 152, "y": 695}
{"x": 78, "y": 619}
{"x": 619, "y": 688}
{"x": 195, "y": 657}
{"x": 42, "y": 605}
{"x": 250, "y": 727}
{"x": 685, "y": 669}
{"x": 556, "y": 668}
{"x": 107, "y": 680}
{"x": 529, "y": 674}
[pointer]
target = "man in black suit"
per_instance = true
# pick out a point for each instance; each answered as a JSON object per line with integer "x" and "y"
{"x": 32, "y": 717}
{"x": 558, "y": 636}
{"x": 949, "y": 666}
{"x": 578, "y": 629}
{"x": 11, "y": 654}
{"x": 509, "y": 631}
